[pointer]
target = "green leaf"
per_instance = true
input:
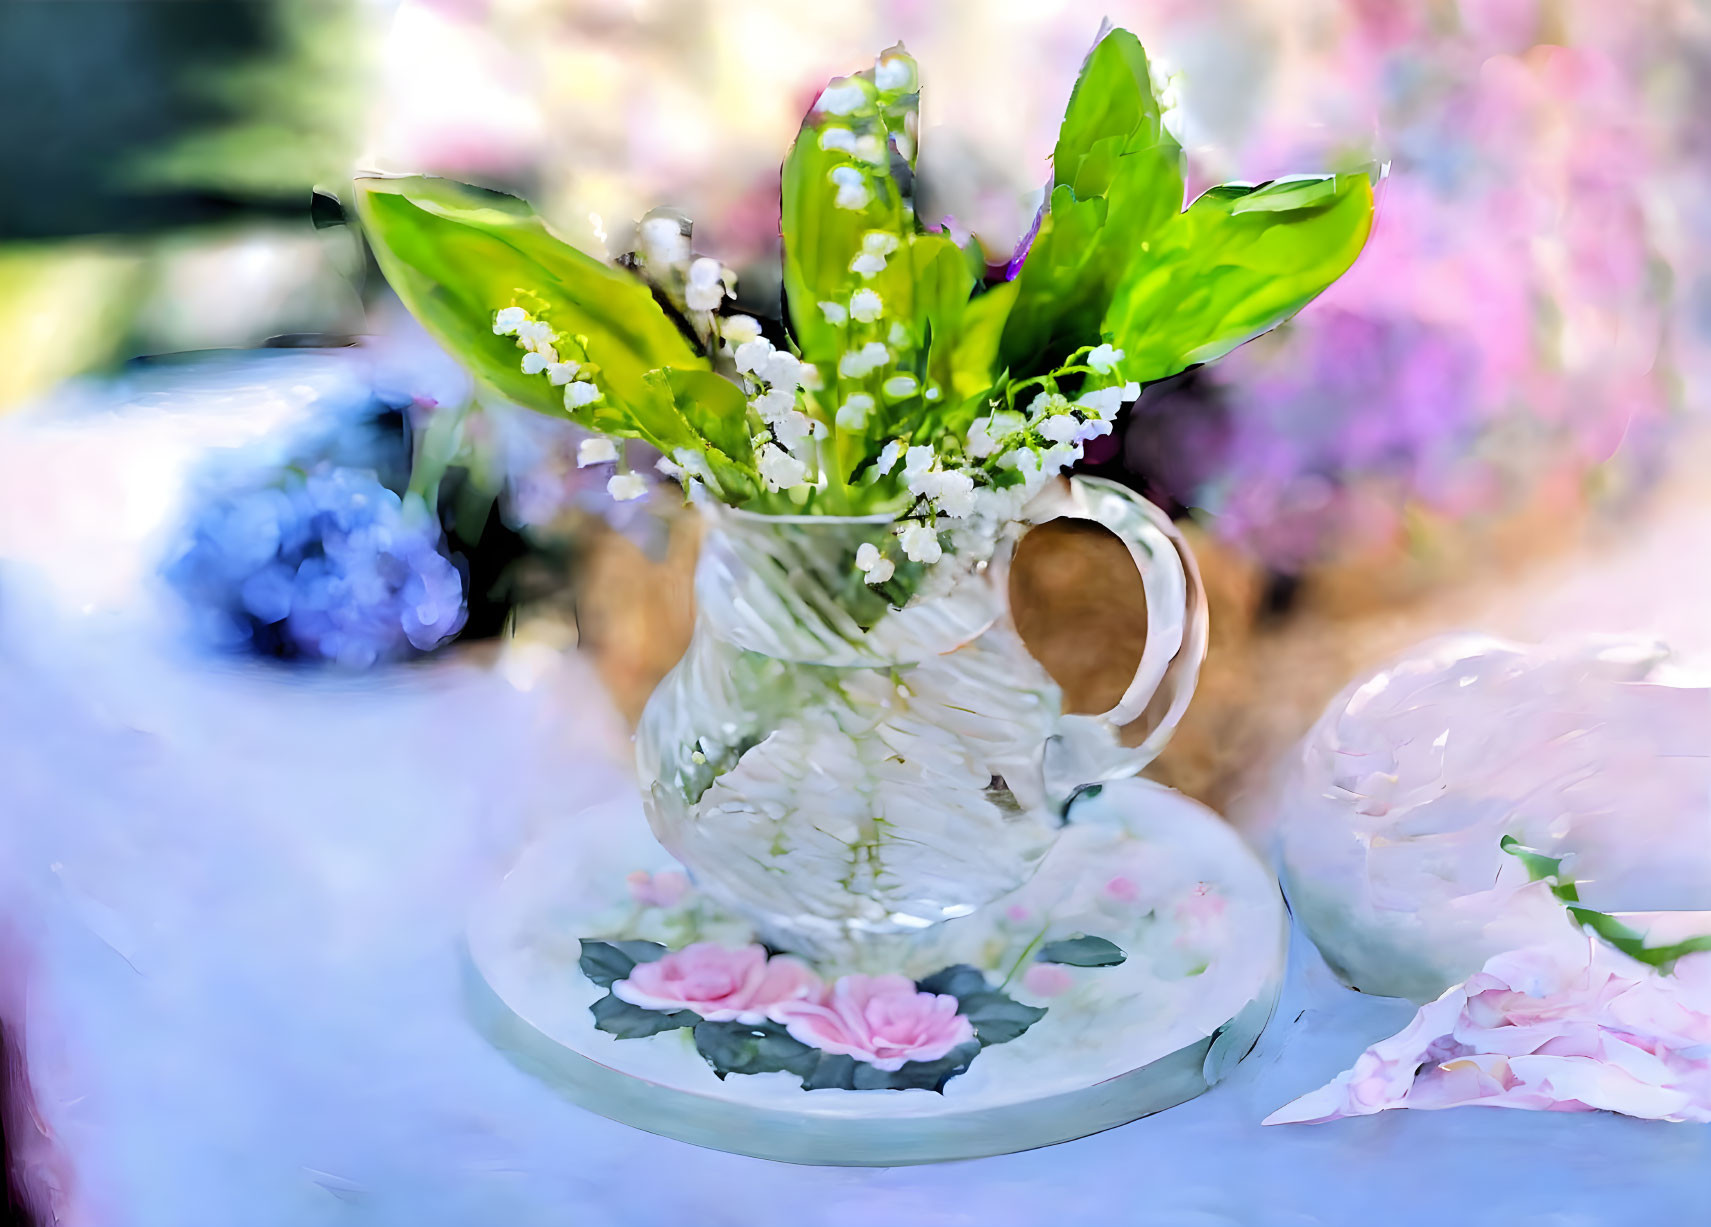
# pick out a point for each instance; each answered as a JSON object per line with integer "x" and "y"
{"x": 607, "y": 962}
{"x": 738, "y": 1048}
{"x": 1113, "y": 111}
{"x": 1054, "y": 309}
{"x": 832, "y": 1073}
{"x": 958, "y": 981}
{"x": 848, "y": 1074}
{"x": 1541, "y": 868}
{"x": 642, "y": 952}
{"x": 1081, "y": 952}
{"x": 941, "y": 289}
{"x": 821, "y": 237}
{"x": 1113, "y": 150}
{"x": 997, "y": 1017}
{"x": 1239, "y": 261}
{"x": 712, "y": 410}
{"x": 630, "y": 1022}
{"x": 456, "y": 254}
{"x": 713, "y": 406}
{"x": 1631, "y": 942}
{"x": 974, "y": 361}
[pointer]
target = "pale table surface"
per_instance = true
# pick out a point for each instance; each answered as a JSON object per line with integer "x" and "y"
{"x": 234, "y": 906}
{"x": 241, "y": 935}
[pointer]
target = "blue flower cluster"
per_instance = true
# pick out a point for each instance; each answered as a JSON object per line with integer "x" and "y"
{"x": 330, "y": 565}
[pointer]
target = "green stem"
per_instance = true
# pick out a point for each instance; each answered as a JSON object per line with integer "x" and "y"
{"x": 1029, "y": 949}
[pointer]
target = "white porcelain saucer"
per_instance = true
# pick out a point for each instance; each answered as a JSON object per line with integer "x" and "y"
{"x": 1198, "y": 917}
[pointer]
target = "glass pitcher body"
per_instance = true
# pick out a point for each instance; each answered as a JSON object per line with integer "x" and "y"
{"x": 837, "y": 769}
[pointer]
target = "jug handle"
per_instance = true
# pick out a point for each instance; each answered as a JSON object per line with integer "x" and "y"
{"x": 1085, "y": 751}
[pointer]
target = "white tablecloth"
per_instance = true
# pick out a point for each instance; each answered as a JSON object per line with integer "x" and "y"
{"x": 241, "y": 922}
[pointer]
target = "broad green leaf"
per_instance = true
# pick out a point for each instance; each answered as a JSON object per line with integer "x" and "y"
{"x": 974, "y": 363}
{"x": 712, "y": 410}
{"x": 456, "y": 254}
{"x": 607, "y": 962}
{"x": 1114, "y": 144}
{"x": 1049, "y": 316}
{"x": 997, "y": 1017}
{"x": 1113, "y": 110}
{"x": 831, "y": 1072}
{"x": 957, "y": 980}
{"x": 942, "y": 287}
{"x": 848, "y": 1074}
{"x": 1081, "y": 952}
{"x": 739, "y": 1048}
{"x": 618, "y": 1017}
{"x": 1239, "y": 261}
{"x": 1112, "y": 148}
{"x": 821, "y": 237}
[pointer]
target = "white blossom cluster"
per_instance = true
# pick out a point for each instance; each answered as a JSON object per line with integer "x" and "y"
{"x": 1007, "y": 457}
{"x": 784, "y": 450}
{"x": 853, "y": 104}
{"x": 541, "y": 357}
{"x": 698, "y": 284}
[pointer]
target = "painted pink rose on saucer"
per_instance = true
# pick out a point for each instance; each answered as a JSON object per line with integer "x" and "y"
{"x": 752, "y": 1012}
{"x": 882, "y": 1020}
{"x": 719, "y": 984}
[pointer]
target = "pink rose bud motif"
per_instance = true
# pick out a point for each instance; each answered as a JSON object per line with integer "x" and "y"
{"x": 1047, "y": 980}
{"x": 719, "y": 984}
{"x": 664, "y": 889}
{"x": 882, "y": 1020}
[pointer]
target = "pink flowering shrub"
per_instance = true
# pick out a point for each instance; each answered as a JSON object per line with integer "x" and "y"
{"x": 1521, "y": 312}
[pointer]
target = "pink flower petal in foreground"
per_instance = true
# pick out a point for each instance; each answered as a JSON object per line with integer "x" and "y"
{"x": 720, "y": 984}
{"x": 1573, "y": 1027}
{"x": 882, "y": 1020}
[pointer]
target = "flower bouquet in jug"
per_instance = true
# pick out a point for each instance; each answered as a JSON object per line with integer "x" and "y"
{"x": 901, "y": 378}
{"x": 857, "y": 760}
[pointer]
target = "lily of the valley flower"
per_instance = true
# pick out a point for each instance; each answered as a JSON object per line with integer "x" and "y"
{"x": 624, "y": 487}
{"x": 598, "y": 450}
{"x": 579, "y": 395}
{"x": 852, "y": 188}
{"x": 921, "y": 543}
{"x": 838, "y": 138}
{"x": 844, "y": 96}
{"x": 663, "y": 242}
{"x": 860, "y": 363}
{"x": 705, "y": 288}
{"x": 866, "y": 306}
{"x": 739, "y": 330}
{"x": 852, "y": 414}
{"x": 779, "y": 469}
{"x": 871, "y": 563}
{"x": 1104, "y": 357}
